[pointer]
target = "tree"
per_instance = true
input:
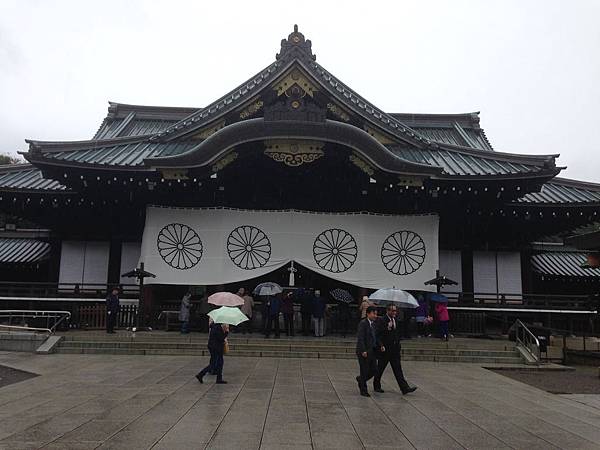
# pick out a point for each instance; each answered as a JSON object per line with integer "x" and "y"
{"x": 6, "y": 158}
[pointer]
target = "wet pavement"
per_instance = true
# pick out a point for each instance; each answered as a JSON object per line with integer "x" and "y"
{"x": 143, "y": 402}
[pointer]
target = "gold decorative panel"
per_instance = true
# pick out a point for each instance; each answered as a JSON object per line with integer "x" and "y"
{"x": 224, "y": 161}
{"x": 174, "y": 174}
{"x": 338, "y": 112}
{"x": 252, "y": 109}
{"x": 294, "y": 153}
{"x": 295, "y": 78}
{"x": 362, "y": 164}
{"x": 209, "y": 130}
{"x": 380, "y": 137}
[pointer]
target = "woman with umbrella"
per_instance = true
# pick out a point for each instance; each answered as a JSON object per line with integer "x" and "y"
{"x": 441, "y": 311}
{"x": 219, "y": 329}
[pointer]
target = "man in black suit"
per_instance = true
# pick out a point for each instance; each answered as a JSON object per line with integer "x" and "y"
{"x": 366, "y": 346}
{"x": 388, "y": 334}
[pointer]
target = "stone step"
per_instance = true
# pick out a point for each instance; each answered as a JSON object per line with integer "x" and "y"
{"x": 270, "y": 346}
{"x": 285, "y": 354}
{"x": 317, "y": 343}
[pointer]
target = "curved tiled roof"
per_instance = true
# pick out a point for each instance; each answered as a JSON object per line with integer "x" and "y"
{"x": 560, "y": 191}
{"x": 20, "y": 250}
{"x": 128, "y": 154}
{"x": 459, "y": 163}
{"x": 26, "y": 177}
{"x": 563, "y": 264}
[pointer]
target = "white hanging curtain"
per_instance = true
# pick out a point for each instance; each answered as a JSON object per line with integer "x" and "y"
{"x": 219, "y": 246}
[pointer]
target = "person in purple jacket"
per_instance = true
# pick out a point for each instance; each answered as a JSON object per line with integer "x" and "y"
{"x": 420, "y": 315}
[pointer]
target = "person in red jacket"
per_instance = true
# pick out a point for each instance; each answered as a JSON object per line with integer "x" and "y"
{"x": 441, "y": 311}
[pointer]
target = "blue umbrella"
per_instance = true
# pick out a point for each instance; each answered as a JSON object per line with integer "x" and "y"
{"x": 439, "y": 298}
{"x": 342, "y": 295}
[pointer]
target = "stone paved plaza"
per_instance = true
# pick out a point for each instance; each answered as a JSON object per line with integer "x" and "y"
{"x": 143, "y": 402}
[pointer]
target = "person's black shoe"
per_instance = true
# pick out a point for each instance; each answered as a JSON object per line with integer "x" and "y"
{"x": 221, "y": 382}
{"x": 409, "y": 390}
{"x": 357, "y": 379}
{"x": 381, "y": 391}
{"x": 365, "y": 394}
{"x": 199, "y": 378}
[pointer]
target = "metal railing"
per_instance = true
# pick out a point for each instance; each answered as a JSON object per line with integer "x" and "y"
{"x": 527, "y": 340}
{"x": 19, "y": 320}
{"x": 26, "y": 290}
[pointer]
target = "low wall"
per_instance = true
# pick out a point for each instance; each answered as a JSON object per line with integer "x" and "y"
{"x": 20, "y": 342}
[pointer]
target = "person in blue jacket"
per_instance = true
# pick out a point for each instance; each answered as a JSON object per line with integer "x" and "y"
{"x": 217, "y": 336}
{"x": 273, "y": 310}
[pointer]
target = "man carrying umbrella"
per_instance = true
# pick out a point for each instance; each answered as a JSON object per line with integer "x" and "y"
{"x": 388, "y": 333}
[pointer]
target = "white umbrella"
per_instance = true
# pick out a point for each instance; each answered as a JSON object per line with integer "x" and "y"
{"x": 268, "y": 288}
{"x": 393, "y": 296}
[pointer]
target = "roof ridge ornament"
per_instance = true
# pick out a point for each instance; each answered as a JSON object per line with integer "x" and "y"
{"x": 295, "y": 46}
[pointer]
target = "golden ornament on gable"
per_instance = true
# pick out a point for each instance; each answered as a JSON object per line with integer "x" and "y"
{"x": 294, "y": 153}
{"x": 293, "y": 79}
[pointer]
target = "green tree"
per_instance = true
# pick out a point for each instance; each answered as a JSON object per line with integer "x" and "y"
{"x": 5, "y": 158}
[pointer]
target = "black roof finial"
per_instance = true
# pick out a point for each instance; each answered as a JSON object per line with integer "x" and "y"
{"x": 295, "y": 46}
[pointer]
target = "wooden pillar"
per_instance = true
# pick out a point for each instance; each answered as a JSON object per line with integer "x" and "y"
{"x": 466, "y": 258}
{"x": 114, "y": 262}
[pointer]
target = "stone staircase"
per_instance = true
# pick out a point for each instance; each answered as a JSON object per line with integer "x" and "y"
{"x": 462, "y": 350}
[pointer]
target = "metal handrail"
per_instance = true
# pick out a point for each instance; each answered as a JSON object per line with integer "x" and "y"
{"x": 527, "y": 340}
{"x": 28, "y": 329}
{"x": 25, "y": 313}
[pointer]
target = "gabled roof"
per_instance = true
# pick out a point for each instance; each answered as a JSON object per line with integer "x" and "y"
{"x": 454, "y": 129}
{"x": 131, "y": 136}
{"x": 296, "y": 51}
{"x": 139, "y": 120}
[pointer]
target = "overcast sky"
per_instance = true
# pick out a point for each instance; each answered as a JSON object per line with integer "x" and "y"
{"x": 531, "y": 67}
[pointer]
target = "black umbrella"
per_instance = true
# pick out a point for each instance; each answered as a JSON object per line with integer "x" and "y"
{"x": 341, "y": 295}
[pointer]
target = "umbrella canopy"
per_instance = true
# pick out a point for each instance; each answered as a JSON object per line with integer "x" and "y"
{"x": 268, "y": 288}
{"x": 393, "y": 296}
{"x": 342, "y": 295}
{"x": 228, "y": 315}
{"x": 225, "y": 299}
{"x": 439, "y": 298}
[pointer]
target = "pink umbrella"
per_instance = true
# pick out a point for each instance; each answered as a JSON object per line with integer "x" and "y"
{"x": 225, "y": 299}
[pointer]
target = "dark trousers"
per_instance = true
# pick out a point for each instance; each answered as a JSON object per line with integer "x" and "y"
{"x": 288, "y": 324}
{"x": 247, "y": 326}
{"x": 344, "y": 324}
{"x": 444, "y": 329}
{"x": 394, "y": 360}
{"x": 272, "y": 321}
{"x": 368, "y": 369}
{"x": 111, "y": 321}
{"x": 215, "y": 365}
{"x": 306, "y": 323}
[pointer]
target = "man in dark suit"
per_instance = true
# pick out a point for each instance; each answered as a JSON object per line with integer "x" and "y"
{"x": 112, "y": 309}
{"x": 388, "y": 334}
{"x": 366, "y": 346}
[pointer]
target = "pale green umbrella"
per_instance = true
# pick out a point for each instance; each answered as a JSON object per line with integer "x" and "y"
{"x": 228, "y": 315}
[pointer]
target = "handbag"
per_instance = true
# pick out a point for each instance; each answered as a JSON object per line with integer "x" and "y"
{"x": 225, "y": 347}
